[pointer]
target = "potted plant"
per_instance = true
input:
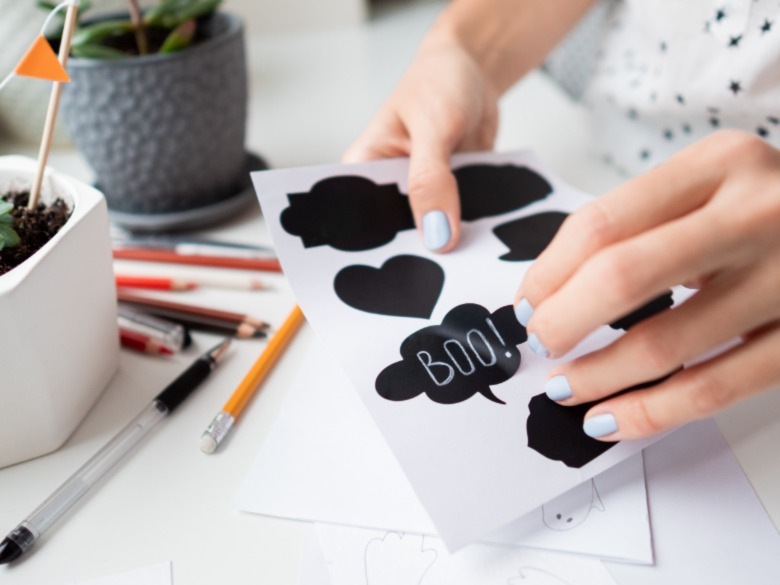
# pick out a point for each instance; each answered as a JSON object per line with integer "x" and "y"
{"x": 59, "y": 344}
{"x": 158, "y": 109}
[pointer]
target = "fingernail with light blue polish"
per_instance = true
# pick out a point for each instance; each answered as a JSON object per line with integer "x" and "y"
{"x": 600, "y": 425}
{"x": 536, "y": 345}
{"x": 436, "y": 230}
{"x": 523, "y": 312}
{"x": 557, "y": 388}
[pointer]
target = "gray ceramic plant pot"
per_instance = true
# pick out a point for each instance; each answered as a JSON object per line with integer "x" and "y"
{"x": 164, "y": 134}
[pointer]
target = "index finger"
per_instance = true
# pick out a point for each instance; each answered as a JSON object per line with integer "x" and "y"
{"x": 668, "y": 192}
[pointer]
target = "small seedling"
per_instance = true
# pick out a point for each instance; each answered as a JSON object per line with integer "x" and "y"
{"x": 166, "y": 27}
{"x": 8, "y": 237}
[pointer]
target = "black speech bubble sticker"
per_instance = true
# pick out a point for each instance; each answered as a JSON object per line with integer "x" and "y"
{"x": 657, "y": 305}
{"x": 468, "y": 353}
{"x": 527, "y": 237}
{"x": 404, "y": 286}
{"x": 555, "y": 431}
{"x": 348, "y": 213}
{"x": 488, "y": 190}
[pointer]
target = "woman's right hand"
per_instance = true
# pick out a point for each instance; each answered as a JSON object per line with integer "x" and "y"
{"x": 443, "y": 104}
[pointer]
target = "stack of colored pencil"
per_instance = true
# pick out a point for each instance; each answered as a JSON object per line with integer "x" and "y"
{"x": 198, "y": 317}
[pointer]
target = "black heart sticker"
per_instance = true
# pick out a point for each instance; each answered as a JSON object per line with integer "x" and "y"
{"x": 404, "y": 286}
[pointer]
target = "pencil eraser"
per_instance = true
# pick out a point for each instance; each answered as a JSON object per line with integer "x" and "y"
{"x": 208, "y": 444}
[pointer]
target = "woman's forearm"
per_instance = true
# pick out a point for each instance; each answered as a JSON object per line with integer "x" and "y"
{"x": 508, "y": 38}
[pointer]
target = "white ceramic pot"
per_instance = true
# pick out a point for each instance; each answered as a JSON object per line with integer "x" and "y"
{"x": 59, "y": 345}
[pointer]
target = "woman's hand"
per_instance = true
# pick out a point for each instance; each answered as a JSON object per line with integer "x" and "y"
{"x": 710, "y": 216}
{"x": 444, "y": 104}
{"x": 448, "y": 99}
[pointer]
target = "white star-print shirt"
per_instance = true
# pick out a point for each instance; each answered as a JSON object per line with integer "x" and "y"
{"x": 668, "y": 72}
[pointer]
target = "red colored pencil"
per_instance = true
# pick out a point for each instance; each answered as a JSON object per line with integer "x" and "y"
{"x": 150, "y": 255}
{"x": 223, "y": 281}
{"x": 139, "y": 342}
{"x": 153, "y": 282}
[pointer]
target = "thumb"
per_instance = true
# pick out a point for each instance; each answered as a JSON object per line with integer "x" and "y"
{"x": 433, "y": 191}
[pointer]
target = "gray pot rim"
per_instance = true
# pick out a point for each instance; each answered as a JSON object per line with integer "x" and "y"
{"x": 235, "y": 28}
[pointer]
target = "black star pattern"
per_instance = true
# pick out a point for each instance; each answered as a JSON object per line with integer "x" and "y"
{"x": 712, "y": 110}
{"x": 735, "y": 87}
{"x": 668, "y": 134}
{"x": 686, "y": 128}
{"x": 663, "y": 47}
{"x": 734, "y": 41}
{"x": 773, "y": 120}
{"x": 714, "y": 122}
{"x": 645, "y": 154}
{"x": 762, "y": 132}
{"x": 632, "y": 114}
{"x": 767, "y": 26}
{"x": 720, "y": 14}
{"x": 680, "y": 99}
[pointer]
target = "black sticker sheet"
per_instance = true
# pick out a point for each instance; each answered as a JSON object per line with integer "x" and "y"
{"x": 429, "y": 341}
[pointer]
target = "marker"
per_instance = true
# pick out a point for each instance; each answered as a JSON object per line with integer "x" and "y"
{"x": 171, "y": 334}
{"x": 21, "y": 538}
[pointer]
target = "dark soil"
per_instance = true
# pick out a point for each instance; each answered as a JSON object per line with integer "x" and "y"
{"x": 35, "y": 228}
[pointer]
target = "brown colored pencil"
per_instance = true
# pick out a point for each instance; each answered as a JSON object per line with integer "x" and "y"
{"x": 188, "y": 309}
{"x": 240, "y": 330}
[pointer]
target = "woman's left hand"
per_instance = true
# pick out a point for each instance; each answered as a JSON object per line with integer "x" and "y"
{"x": 709, "y": 216}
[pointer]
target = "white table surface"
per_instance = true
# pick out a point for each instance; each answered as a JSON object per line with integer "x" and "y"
{"x": 310, "y": 96}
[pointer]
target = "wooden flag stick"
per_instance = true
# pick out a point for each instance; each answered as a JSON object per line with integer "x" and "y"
{"x": 54, "y": 104}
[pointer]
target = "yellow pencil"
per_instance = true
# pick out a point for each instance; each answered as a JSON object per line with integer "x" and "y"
{"x": 219, "y": 427}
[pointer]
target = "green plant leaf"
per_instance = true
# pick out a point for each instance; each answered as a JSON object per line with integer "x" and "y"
{"x": 180, "y": 37}
{"x": 8, "y": 237}
{"x": 97, "y": 52}
{"x": 94, "y": 33}
{"x": 175, "y": 12}
{"x": 84, "y": 5}
{"x": 5, "y": 207}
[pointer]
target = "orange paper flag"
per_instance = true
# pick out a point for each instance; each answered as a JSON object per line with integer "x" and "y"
{"x": 41, "y": 62}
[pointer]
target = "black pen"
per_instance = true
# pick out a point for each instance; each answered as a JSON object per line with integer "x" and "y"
{"x": 21, "y": 538}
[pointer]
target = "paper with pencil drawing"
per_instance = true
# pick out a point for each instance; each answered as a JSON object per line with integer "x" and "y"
{"x": 708, "y": 527}
{"x": 330, "y": 464}
{"x": 430, "y": 341}
{"x": 369, "y": 557}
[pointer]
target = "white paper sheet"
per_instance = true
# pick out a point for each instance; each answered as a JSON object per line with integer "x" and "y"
{"x": 330, "y": 464}
{"x": 159, "y": 574}
{"x": 314, "y": 569}
{"x": 708, "y": 524}
{"x": 468, "y": 462}
{"x": 367, "y": 557}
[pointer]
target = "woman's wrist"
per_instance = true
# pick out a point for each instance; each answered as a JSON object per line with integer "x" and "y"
{"x": 505, "y": 38}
